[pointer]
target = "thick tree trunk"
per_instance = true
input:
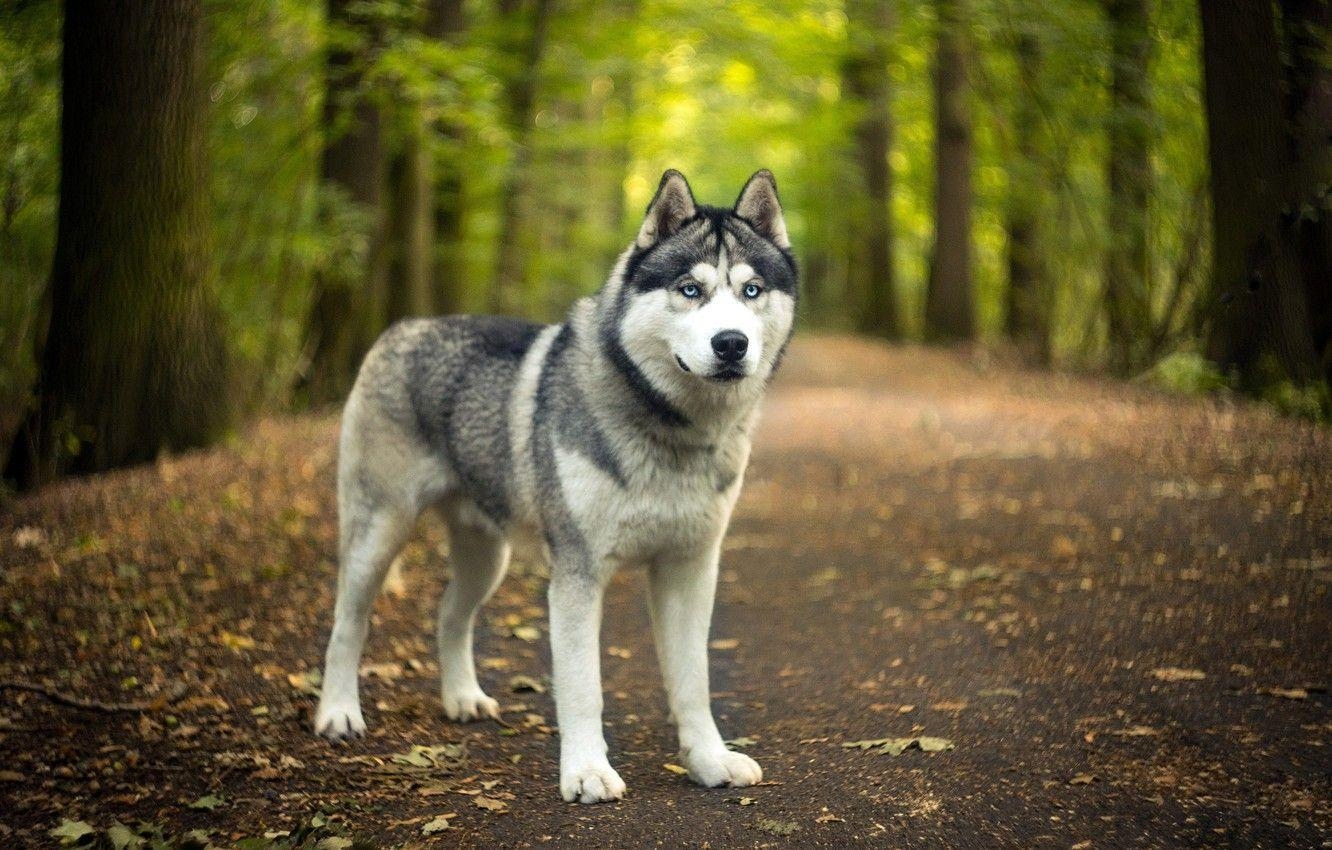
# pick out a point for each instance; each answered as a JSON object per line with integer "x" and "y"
{"x": 134, "y": 359}
{"x": 1266, "y": 173}
{"x": 348, "y": 308}
{"x": 1127, "y": 262}
{"x": 866, "y": 80}
{"x": 508, "y": 293}
{"x": 410, "y": 230}
{"x": 445, "y": 20}
{"x": 1027, "y": 300}
{"x": 949, "y": 303}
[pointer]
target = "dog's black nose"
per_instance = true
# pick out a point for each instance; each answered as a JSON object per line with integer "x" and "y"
{"x": 730, "y": 346}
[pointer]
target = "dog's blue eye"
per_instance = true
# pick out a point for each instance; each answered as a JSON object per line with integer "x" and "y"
{"x": 752, "y": 290}
{"x": 690, "y": 290}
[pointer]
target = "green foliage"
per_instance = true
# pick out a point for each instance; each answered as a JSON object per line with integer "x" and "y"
{"x": 1186, "y": 372}
{"x": 626, "y": 89}
{"x": 29, "y": 166}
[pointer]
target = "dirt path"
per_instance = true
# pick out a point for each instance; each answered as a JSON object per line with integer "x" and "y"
{"x": 1116, "y": 605}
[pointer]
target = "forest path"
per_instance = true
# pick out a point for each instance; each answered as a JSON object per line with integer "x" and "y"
{"x": 1115, "y": 604}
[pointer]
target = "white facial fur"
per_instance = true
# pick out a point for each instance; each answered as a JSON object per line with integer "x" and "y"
{"x": 690, "y": 327}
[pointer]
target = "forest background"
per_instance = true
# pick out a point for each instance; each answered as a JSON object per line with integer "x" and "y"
{"x": 210, "y": 209}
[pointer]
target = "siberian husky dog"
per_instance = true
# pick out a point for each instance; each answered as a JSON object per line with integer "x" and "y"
{"x": 617, "y": 438}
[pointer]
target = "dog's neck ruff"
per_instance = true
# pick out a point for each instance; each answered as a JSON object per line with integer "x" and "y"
{"x": 654, "y": 401}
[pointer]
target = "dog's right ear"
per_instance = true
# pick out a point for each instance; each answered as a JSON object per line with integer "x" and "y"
{"x": 671, "y": 207}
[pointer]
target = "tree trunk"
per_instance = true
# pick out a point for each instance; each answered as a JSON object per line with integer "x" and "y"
{"x": 410, "y": 229}
{"x": 1027, "y": 318}
{"x": 949, "y": 302}
{"x": 348, "y": 308}
{"x": 866, "y": 79}
{"x": 1127, "y": 263}
{"x": 134, "y": 359}
{"x": 508, "y": 292}
{"x": 1269, "y": 176}
{"x": 446, "y": 21}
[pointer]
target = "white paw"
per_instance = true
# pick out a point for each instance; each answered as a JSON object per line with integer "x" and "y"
{"x": 596, "y": 783}
{"x": 716, "y": 767}
{"x": 470, "y": 704}
{"x": 339, "y": 720}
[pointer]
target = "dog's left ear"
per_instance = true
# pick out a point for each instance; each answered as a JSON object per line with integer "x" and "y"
{"x": 759, "y": 206}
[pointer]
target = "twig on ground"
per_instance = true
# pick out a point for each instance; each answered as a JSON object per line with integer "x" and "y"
{"x": 157, "y": 704}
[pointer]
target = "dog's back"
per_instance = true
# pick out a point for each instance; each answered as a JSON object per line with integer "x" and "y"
{"x": 443, "y": 385}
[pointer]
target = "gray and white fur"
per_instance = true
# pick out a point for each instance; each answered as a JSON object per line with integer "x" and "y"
{"x": 617, "y": 438}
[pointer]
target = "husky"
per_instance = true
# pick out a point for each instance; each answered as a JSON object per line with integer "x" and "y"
{"x": 617, "y": 438}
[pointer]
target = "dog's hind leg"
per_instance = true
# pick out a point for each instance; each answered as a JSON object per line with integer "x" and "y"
{"x": 372, "y": 535}
{"x": 479, "y": 556}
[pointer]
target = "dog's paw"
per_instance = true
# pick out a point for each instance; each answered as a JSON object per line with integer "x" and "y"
{"x": 717, "y": 767}
{"x": 468, "y": 705}
{"x": 591, "y": 784}
{"x": 339, "y": 721}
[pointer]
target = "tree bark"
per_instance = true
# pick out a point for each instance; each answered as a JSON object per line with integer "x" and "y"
{"x": 865, "y": 74}
{"x": 410, "y": 228}
{"x": 446, "y": 20}
{"x": 1027, "y": 299}
{"x": 1129, "y": 173}
{"x": 134, "y": 360}
{"x": 348, "y": 308}
{"x": 1269, "y": 176}
{"x": 949, "y": 303}
{"x": 508, "y": 293}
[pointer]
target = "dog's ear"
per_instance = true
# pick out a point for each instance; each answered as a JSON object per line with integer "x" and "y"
{"x": 759, "y": 206}
{"x": 671, "y": 207}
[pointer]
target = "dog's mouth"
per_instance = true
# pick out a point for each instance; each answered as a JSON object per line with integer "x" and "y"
{"x": 725, "y": 374}
{"x": 728, "y": 373}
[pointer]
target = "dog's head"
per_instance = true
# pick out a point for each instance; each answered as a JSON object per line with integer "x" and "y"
{"x": 708, "y": 294}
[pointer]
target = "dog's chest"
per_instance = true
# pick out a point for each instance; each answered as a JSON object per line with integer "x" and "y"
{"x": 658, "y": 511}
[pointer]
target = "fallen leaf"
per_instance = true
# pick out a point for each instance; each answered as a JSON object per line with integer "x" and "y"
{"x": 1062, "y": 546}
{"x": 71, "y": 831}
{"x": 675, "y": 768}
{"x": 1136, "y": 732}
{"x": 897, "y": 746}
{"x": 438, "y": 824}
{"x": 740, "y": 743}
{"x": 490, "y": 804}
{"x": 1285, "y": 693}
{"x": 829, "y": 818}
{"x": 306, "y": 681}
{"x": 235, "y": 642}
{"x": 207, "y": 802}
{"x": 435, "y": 756}
{"x": 526, "y": 683}
{"x": 1178, "y": 674}
{"x": 724, "y": 643}
{"x": 776, "y": 827}
{"x": 121, "y": 837}
{"x": 529, "y": 634}
{"x": 1082, "y": 779}
{"x": 1013, "y": 693}
{"x": 387, "y": 671}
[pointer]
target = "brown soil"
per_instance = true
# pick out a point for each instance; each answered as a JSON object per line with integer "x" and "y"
{"x": 1113, "y": 602}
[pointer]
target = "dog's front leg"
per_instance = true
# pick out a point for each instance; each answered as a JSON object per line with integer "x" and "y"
{"x": 575, "y": 624}
{"x": 680, "y": 598}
